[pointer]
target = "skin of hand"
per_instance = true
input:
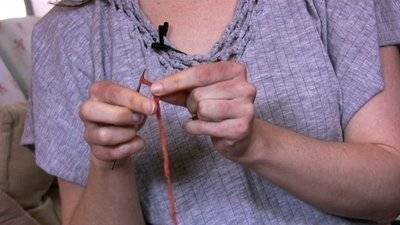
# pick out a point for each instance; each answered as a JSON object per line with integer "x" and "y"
{"x": 221, "y": 98}
{"x": 112, "y": 116}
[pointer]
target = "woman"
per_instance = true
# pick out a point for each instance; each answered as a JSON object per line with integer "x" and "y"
{"x": 295, "y": 122}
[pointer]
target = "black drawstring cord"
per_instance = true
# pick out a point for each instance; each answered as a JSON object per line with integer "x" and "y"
{"x": 161, "y": 46}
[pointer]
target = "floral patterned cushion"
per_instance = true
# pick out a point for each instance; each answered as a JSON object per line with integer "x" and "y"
{"x": 15, "y": 51}
{"x": 9, "y": 89}
{"x": 12, "y": 213}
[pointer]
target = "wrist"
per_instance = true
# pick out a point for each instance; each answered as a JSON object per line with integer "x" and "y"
{"x": 119, "y": 164}
{"x": 258, "y": 145}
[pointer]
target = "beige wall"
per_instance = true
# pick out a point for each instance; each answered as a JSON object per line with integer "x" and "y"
{"x": 41, "y": 7}
{"x": 16, "y": 8}
{"x": 12, "y": 9}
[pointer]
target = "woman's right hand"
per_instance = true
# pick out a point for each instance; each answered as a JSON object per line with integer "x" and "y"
{"x": 112, "y": 116}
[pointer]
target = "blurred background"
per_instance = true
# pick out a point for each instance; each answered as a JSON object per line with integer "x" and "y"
{"x": 28, "y": 195}
{"x": 21, "y": 8}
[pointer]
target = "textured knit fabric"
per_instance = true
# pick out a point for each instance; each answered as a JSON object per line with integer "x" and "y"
{"x": 315, "y": 63}
{"x": 388, "y": 18}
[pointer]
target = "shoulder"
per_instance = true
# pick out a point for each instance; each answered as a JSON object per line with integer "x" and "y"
{"x": 344, "y": 14}
{"x": 338, "y": 4}
{"x": 350, "y": 20}
{"x": 63, "y": 20}
{"x": 63, "y": 29}
{"x": 62, "y": 38}
{"x": 348, "y": 9}
{"x": 388, "y": 19}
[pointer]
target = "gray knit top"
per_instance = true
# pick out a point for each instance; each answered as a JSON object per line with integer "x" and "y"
{"x": 315, "y": 63}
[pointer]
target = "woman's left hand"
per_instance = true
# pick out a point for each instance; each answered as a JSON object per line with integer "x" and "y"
{"x": 221, "y": 98}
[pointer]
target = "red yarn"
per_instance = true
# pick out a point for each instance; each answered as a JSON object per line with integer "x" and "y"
{"x": 165, "y": 151}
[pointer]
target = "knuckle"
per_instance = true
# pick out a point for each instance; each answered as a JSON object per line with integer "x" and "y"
{"x": 202, "y": 108}
{"x": 239, "y": 69}
{"x": 132, "y": 133}
{"x": 100, "y": 153}
{"x": 86, "y": 135}
{"x": 204, "y": 75}
{"x": 249, "y": 110}
{"x": 115, "y": 154}
{"x": 138, "y": 144}
{"x": 130, "y": 148}
{"x": 193, "y": 100}
{"x": 118, "y": 115}
{"x": 122, "y": 115}
{"x": 98, "y": 87}
{"x": 94, "y": 88}
{"x": 195, "y": 95}
{"x": 84, "y": 110}
{"x": 226, "y": 108}
{"x": 135, "y": 103}
{"x": 96, "y": 151}
{"x": 223, "y": 108}
{"x": 110, "y": 92}
{"x": 252, "y": 90}
{"x": 241, "y": 128}
{"x": 103, "y": 135}
{"x": 138, "y": 104}
{"x": 249, "y": 91}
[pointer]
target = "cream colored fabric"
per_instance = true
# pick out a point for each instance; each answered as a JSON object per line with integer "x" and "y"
{"x": 15, "y": 49}
{"x": 20, "y": 178}
{"x": 12, "y": 214}
{"x": 9, "y": 89}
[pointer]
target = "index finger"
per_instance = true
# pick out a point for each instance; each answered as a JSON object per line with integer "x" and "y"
{"x": 198, "y": 76}
{"x": 108, "y": 92}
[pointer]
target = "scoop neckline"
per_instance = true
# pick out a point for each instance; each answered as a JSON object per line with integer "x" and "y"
{"x": 215, "y": 47}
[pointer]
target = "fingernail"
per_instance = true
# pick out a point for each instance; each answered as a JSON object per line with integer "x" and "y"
{"x": 137, "y": 118}
{"x": 150, "y": 107}
{"x": 156, "y": 88}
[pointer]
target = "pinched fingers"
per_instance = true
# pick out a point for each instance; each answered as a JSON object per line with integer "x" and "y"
{"x": 100, "y": 112}
{"x": 112, "y": 116}
{"x": 231, "y": 129}
{"x": 114, "y": 94}
{"x": 108, "y": 135}
{"x": 227, "y": 90}
{"x": 219, "y": 110}
{"x": 199, "y": 76}
{"x": 121, "y": 151}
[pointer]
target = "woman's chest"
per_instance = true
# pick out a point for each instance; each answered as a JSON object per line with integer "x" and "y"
{"x": 286, "y": 60}
{"x": 296, "y": 88}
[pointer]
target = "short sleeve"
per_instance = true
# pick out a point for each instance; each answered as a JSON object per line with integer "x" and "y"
{"x": 354, "y": 51}
{"x": 388, "y": 19}
{"x": 59, "y": 85}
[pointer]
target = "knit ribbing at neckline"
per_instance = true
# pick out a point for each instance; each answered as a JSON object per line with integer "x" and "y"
{"x": 230, "y": 45}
